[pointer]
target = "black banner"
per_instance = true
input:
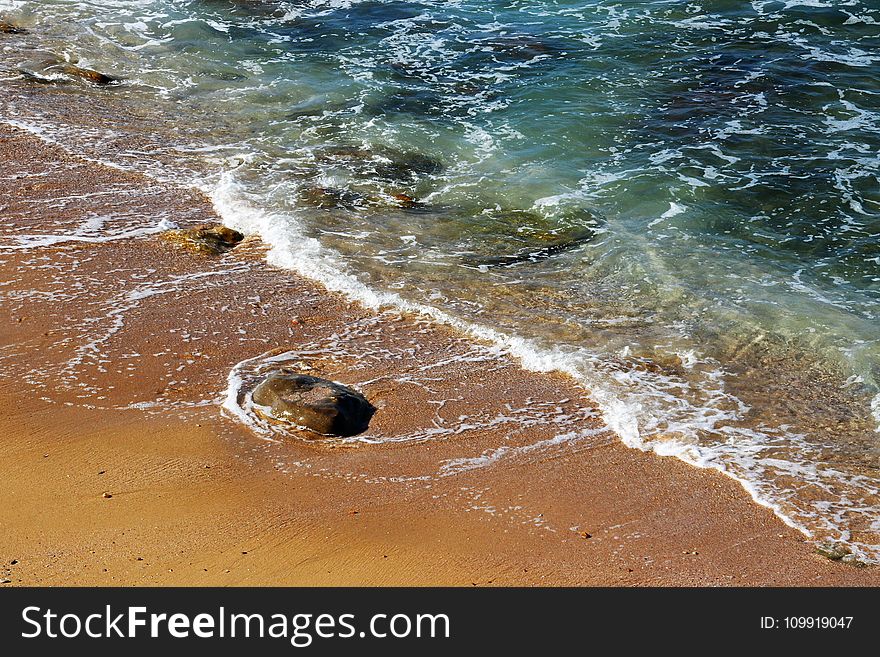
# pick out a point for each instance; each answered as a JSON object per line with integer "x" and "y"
{"x": 434, "y": 621}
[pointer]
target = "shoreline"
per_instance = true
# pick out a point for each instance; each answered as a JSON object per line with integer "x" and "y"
{"x": 115, "y": 359}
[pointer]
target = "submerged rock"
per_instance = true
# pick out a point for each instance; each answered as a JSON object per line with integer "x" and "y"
{"x": 534, "y": 254}
{"x": 320, "y": 405}
{"x": 89, "y": 75}
{"x": 334, "y": 198}
{"x": 55, "y": 71}
{"x": 386, "y": 164}
{"x": 213, "y": 239}
{"x": 11, "y": 28}
{"x": 317, "y": 106}
{"x": 511, "y": 237}
{"x": 405, "y": 166}
{"x": 331, "y": 198}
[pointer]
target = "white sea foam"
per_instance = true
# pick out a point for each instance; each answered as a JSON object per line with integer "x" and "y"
{"x": 674, "y": 210}
{"x": 35, "y": 241}
{"x": 493, "y": 456}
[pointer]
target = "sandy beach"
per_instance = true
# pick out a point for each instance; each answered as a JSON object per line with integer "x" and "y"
{"x": 120, "y": 468}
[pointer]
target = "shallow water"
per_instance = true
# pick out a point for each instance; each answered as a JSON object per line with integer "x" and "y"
{"x": 676, "y": 203}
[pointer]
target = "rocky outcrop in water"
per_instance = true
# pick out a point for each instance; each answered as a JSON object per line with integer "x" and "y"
{"x": 511, "y": 237}
{"x": 87, "y": 74}
{"x": 327, "y": 198}
{"x": 334, "y": 198}
{"x": 54, "y": 71}
{"x": 11, "y": 28}
{"x": 387, "y": 164}
{"x": 211, "y": 239}
{"x": 319, "y": 405}
{"x": 536, "y": 253}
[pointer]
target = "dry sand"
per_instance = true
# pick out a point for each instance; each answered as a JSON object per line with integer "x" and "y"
{"x": 119, "y": 468}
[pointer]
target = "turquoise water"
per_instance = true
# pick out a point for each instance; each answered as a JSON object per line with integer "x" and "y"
{"x": 677, "y": 203}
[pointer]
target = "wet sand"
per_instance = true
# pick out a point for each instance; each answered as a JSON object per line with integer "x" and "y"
{"x": 120, "y": 468}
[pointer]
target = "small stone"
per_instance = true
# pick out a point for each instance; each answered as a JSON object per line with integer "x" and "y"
{"x": 100, "y": 472}
{"x": 139, "y": 559}
{"x": 406, "y": 201}
{"x": 399, "y": 166}
{"x": 5, "y": 581}
{"x": 10, "y": 28}
{"x": 833, "y": 551}
{"x": 322, "y": 406}
{"x": 854, "y": 561}
{"x": 13, "y": 562}
{"x": 106, "y": 496}
{"x": 213, "y": 239}
{"x": 585, "y": 535}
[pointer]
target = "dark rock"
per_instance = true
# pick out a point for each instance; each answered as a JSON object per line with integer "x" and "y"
{"x": 331, "y": 198}
{"x": 211, "y": 239}
{"x": 345, "y": 154}
{"x": 407, "y": 166}
{"x": 426, "y": 103}
{"x": 320, "y": 405}
{"x": 533, "y": 254}
{"x": 89, "y": 75}
{"x": 523, "y": 236}
{"x": 53, "y": 71}
{"x": 385, "y": 164}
